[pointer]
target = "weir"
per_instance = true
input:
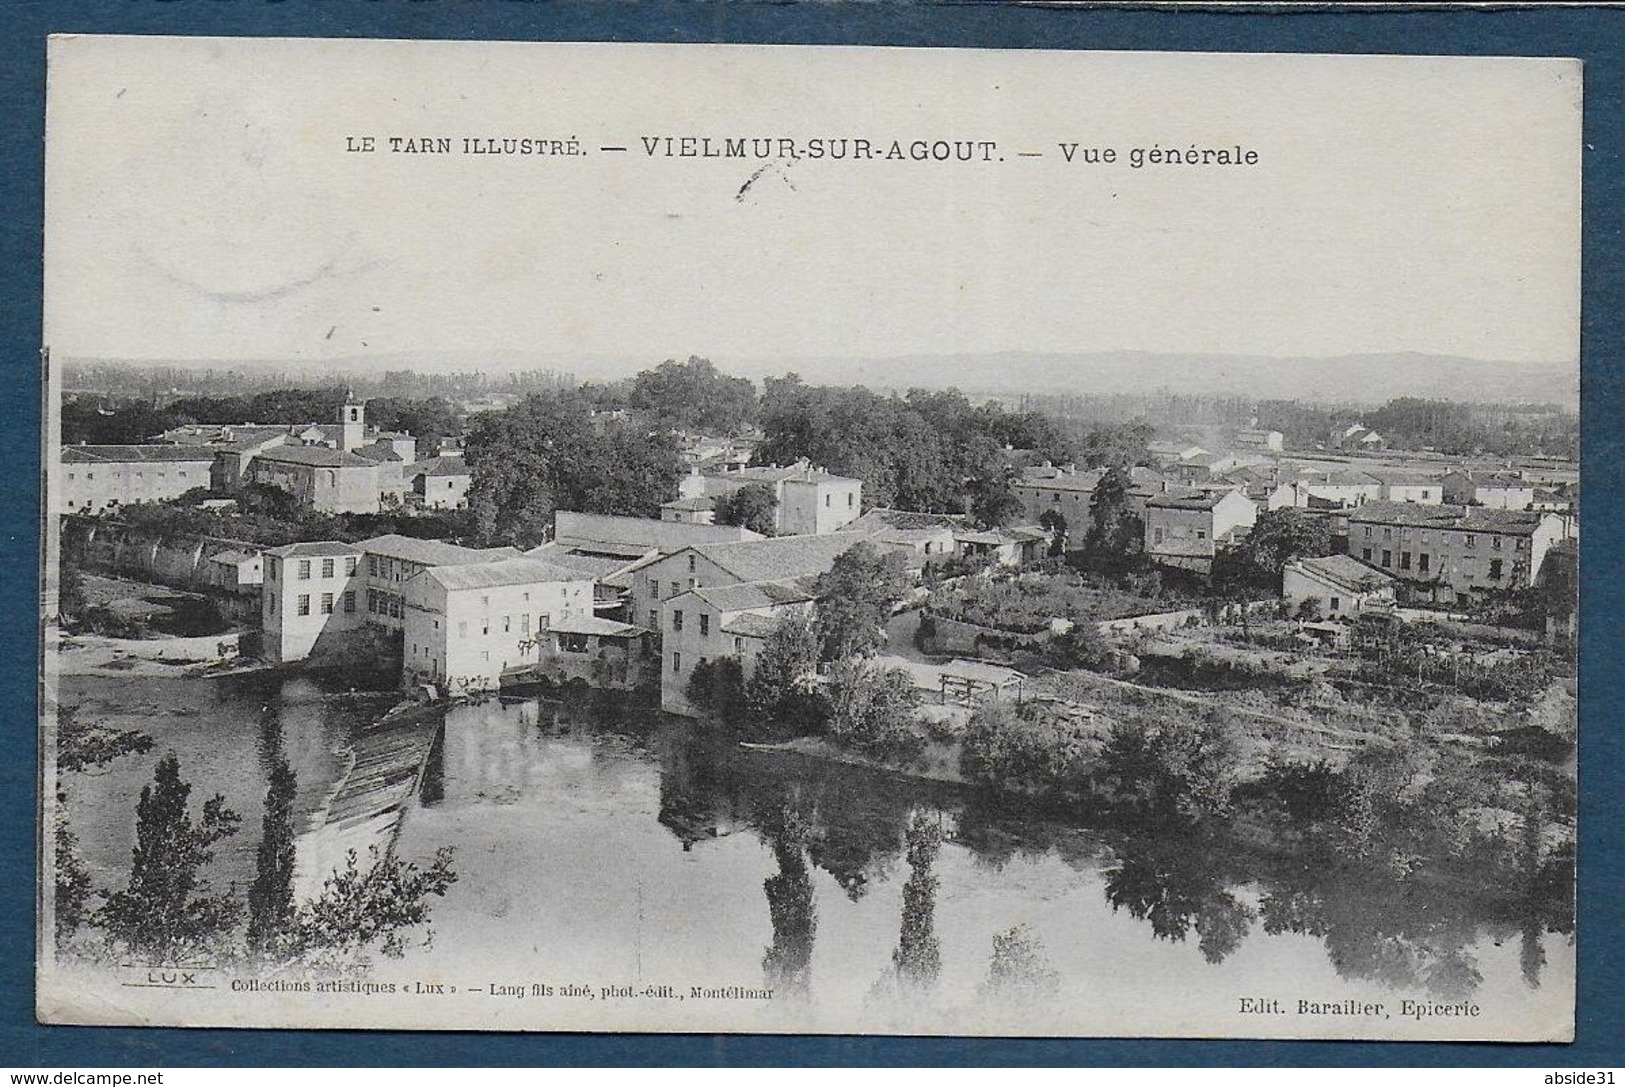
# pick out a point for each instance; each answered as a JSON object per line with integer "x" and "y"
{"x": 386, "y": 766}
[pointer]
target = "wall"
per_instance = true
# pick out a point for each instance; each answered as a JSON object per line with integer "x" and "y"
{"x": 290, "y": 636}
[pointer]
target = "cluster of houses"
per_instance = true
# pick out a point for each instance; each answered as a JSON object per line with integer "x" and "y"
{"x": 347, "y": 466}
{"x": 609, "y": 597}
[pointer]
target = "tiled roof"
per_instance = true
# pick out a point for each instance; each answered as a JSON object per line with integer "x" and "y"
{"x": 689, "y": 504}
{"x": 882, "y": 520}
{"x": 587, "y": 529}
{"x": 1066, "y": 481}
{"x": 432, "y": 552}
{"x": 314, "y": 456}
{"x": 750, "y": 625}
{"x": 779, "y": 557}
{"x": 1351, "y": 478}
{"x": 313, "y": 549}
{"x": 592, "y": 624}
{"x": 1185, "y": 499}
{"x": 379, "y": 451}
{"x": 756, "y": 594}
{"x": 799, "y": 473}
{"x": 136, "y": 454}
{"x": 232, "y": 558}
{"x": 1345, "y": 571}
{"x": 1468, "y": 518}
{"x": 510, "y": 571}
{"x": 440, "y": 466}
{"x": 596, "y": 566}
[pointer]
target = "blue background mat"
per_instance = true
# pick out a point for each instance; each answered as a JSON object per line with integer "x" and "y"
{"x": 1596, "y": 35}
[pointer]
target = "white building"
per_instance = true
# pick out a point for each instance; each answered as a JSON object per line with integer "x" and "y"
{"x": 712, "y": 623}
{"x": 310, "y": 599}
{"x": 807, "y": 500}
{"x": 1335, "y": 586}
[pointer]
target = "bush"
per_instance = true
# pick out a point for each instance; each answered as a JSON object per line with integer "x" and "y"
{"x": 1006, "y": 749}
{"x": 1170, "y": 769}
{"x": 872, "y": 711}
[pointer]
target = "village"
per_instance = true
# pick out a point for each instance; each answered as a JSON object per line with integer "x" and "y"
{"x": 1294, "y": 544}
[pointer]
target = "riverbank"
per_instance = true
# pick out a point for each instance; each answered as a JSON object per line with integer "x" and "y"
{"x": 148, "y": 658}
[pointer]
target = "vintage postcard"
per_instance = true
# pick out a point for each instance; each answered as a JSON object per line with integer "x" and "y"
{"x": 613, "y": 537}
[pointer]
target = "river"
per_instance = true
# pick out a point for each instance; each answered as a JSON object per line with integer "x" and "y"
{"x": 606, "y": 845}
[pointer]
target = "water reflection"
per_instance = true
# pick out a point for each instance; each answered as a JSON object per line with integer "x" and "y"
{"x": 786, "y": 965}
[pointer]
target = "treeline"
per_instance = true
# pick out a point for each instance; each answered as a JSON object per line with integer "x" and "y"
{"x": 97, "y": 420}
{"x": 1444, "y": 426}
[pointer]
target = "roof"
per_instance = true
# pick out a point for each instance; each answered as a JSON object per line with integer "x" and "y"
{"x": 1062, "y": 481}
{"x": 756, "y": 594}
{"x": 1398, "y": 477}
{"x": 135, "y": 454}
{"x": 889, "y": 520}
{"x": 636, "y": 535}
{"x": 379, "y": 451}
{"x": 1351, "y": 478}
{"x": 432, "y": 552}
{"x": 980, "y": 671}
{"x": 509, "y": 571}
{"x": 1344, "y": 571}
{"x": 313, "y": 549}
{"x": 592, "y": 624}
{"x": 232, "y": 558}
{"x": 750, "y": 625}
{"x": 773, "y": 473}
{"x": 597, "y": 566}
{"x": 440, "y": 466}
{"x": 779, "y": 557}
{"x": 1469, "y": 518}
{"x": 698, "y": 503}
{"x": 1186, "y": 499}
{"x": 314, "y": 456}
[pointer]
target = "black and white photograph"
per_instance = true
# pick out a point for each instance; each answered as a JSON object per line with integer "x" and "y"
{"x": 809, "y": 540}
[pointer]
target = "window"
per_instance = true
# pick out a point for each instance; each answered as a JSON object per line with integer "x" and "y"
{"x": 1156, "y": 535}
{"x": 302, "y": 604}
{"x": 485, "y": 625}
{"x": 828, "y": 501}
{"x": 349, "y": 565}
{"x": 506, "y": 625}
{"x": 1495, "y": 542}
{"x": 573, "y": 643}
{"x": 1336, "y": 603}
{"x": 1404, "y": 560}
{"x": 1365, "y": 554}
{"x": 1422, "y": 562}
{"x": 1387, "y": 533}
{"x": 349, "y": 602}
{"x": 1057, "y": 496}
{"x": 676, "y": 662}
{"x": 654, "y": 619}
{"x": 485, "y": 601}
{"x": 851, "y": 499}
{"x": 1495, "y": 569}
{"x": 691, "y": 564}
{"x": 524, "y": 623}
{"x": 1387, "y": 559}
{"x": 705, "y": 624}
{"x": 1368, "y": 532}
{"x": 676, "y": 587}
{"x": 271, "y": 569}
{"x": 1201, "y": 534}
{"x": 677, "y": 619}
{"x": 372, "y": 565}
{"x": 304, "y": 569}
{"x": 739, "y": 645}
{"x": 1424, "y": 535}
{"x": 1470, "y": 539}
{"x": 327, "y": 567}
{"x": 327, "y": 603}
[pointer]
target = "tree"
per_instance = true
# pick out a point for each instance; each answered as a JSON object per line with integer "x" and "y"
{"x": 719, "y": 686}
{"x": 993, "y": 503}
{"x": 270, "y": 897}
{"x": 167, "y": 912}
{"x": 779, "y": 688}
{"x": 695, "y": 395}
{"x": 548, "y": 453}
{"x": 918, "y": 956}
{"x": 1019, "y": 972}
{"x": 872, "y": 711}
{"x": 360, "y": 907}
{"x": 1116, "y": 536}
{"x": 855, "y": 598}
{"x": 1171, "y": 768}
{"x": 791, "y": 907}
{"x": 751, "y": 506}
{"x": 1277, "y": 538}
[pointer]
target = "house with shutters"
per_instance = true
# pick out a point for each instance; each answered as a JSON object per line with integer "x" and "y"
{"x": 1186, "y": 528}
{"x": 1444, "y": 553}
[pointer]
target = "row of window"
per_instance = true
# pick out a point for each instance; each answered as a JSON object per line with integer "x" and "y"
{"x": 301, "y": 603}
{"x": 677, "y": 622}
{"x": 329, "y": 568}
{"x": 1423, "y": 562}
{"x": 677, "y": 658}
{"x": 138, "y": 475}
{"x": 1469, "y": 539}
{"x": 543, "y": 622}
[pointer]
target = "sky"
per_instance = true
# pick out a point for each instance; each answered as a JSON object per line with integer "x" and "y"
{"x": 201, "y": 203}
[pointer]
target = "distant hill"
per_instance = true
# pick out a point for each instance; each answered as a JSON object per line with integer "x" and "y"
{"x": 1348, "y": 379}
